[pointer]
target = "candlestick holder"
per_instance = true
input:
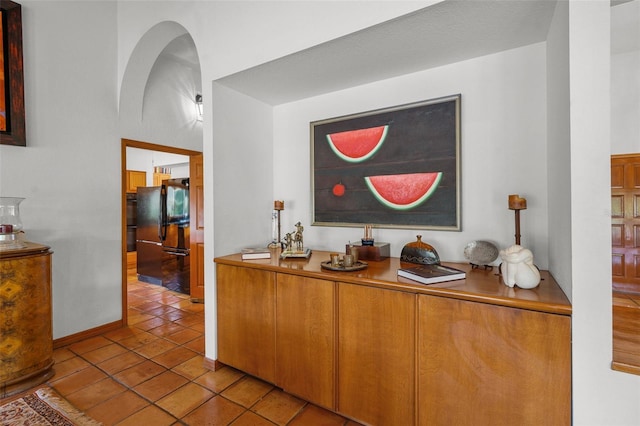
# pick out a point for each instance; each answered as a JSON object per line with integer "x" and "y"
{"x": 278, "y": 206}
{"x": 517, "y": 203}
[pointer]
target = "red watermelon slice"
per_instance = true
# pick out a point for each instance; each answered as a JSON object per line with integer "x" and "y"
{"x": 405, "y": 191}
{"x": 358, "y": 145}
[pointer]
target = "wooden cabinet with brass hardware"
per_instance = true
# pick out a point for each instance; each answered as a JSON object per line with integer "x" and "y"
{"x": 26, "y": 339}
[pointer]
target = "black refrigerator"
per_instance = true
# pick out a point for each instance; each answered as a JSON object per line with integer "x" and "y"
{"x": 162, "y": 238}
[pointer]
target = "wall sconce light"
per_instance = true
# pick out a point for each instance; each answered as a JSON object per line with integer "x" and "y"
{"x": 199, "y": 106}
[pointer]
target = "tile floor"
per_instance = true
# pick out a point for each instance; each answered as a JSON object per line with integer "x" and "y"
{"x": 152, "y": 373}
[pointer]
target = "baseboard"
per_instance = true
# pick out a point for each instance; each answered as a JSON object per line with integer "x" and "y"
{"x": 213, "y": 364}
{"x": 93, "y": 332}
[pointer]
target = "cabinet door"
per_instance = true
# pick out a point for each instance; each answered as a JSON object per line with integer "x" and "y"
{"x": 376, "y": 355}
{"x": 134, "y": 179}
{"x": 305, "y": 340}
{"x": 485, "y": 364}
{"x": 246, "y": 319}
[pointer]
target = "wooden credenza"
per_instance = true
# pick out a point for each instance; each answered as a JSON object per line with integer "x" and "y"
{"x": 384, "y": 350}
{"x": 26, "y": 338}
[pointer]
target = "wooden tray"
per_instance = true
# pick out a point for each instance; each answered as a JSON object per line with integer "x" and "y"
{"x": 356, "y": 266}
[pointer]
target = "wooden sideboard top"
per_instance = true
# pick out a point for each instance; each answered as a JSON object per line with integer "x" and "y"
{"x": 480, "y": 285}
{"x": 29, "y": 249}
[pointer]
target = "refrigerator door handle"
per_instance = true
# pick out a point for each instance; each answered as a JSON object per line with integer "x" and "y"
{"x": 162, "y": 223}
{"x": 155, "y": 243}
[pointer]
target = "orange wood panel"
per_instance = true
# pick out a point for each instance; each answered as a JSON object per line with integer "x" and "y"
{"x": 376, "y": 355}
{"x": 196, "y": 225}
{"x": 485, "y": 364}
{"x": 305, "y": 338}
{"x": 246, "y": 320}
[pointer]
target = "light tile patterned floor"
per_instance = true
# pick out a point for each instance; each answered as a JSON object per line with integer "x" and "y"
{"x": 152, "y": 373}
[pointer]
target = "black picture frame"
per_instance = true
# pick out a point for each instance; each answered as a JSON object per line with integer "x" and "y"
{"x": 14, "y": 132}
{"x": 421, "y": 141}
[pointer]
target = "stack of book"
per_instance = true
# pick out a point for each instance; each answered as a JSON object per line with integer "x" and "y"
{"x": 255, "y": 253}
{"x": 430, "y": 274}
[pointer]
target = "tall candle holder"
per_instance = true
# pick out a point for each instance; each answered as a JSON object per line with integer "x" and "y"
{"x": 517, "y": 203}
{"x": 278, "y": 206}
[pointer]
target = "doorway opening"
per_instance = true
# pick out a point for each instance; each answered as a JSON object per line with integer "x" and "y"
{"x": 134, "y": 178}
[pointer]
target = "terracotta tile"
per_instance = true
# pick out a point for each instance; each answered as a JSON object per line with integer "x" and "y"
{"x": 122, "y": 333}
{"x": 138, "y": 340}
{"x": 104, "y": 353}
{"x": 78, "y": 380}
{"x": 62, "y": 354}
{"x": 121, "y": 362}
{"x": 184, "y": 336}
{"x": 162, "y": 309}
{"x": 181, "y": 304}
{"x": 313, "y": 415}
{"x": 247, "y": 391}
{"x": 160, "y": 385}
{"x": 150, "y": 415}
{"x": 188, "y": 320}
{"x": 194, "y": 307}
{"x": 279, "y": 407}
{"x": 175, "y": 356}
{"x": 135, "y": 318}
{"x": 185, "y": 399}
{"x": 94, "y": 394}
{"x": 219, "y": 380}
{"x": 175, "y": 315}
{"x": 217, "y": 411}
{"x": 196, "y": 345}
{"x": 137, "y": 374}
{"x": 169, "y": 298}
{"x": 155, "y": 348}
{"x": 198, "y": 327}
{"x": 192, "y": 368}
{"x": 152, "y": 322}
{"x": 117, "y": 408}
{"x": 145, "y": 307}
{"x": 68, "y": 366}
{"x": 166, "y": 329}
{"x": 252, "y": 419}
{"x": 89, "y": 345}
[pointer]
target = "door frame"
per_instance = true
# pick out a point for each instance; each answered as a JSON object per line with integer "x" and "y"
{"x": 124, "y": 144}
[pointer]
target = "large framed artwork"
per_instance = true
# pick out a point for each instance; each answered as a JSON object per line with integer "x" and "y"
{"x": 397, "y": 167}
{"x": 12, "y": 122}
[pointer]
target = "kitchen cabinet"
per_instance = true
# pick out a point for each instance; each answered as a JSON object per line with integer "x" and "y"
{"x": 305, "y": 338}
{"x": 388, "y": 351}
{"x": 376, "y": 351}
{"x": 26, "y": 339}
{"x": 246, "y": 320}
{"x": 134, "y": 179}
{"x": 159, "y": 177}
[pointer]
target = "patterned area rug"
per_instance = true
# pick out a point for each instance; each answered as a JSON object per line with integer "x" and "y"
{"x": 43, "y": 407}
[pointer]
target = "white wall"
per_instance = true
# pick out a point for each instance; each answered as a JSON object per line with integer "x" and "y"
{"x": 70, "y": 170}
{"x": 600, "y": 395}
{"x": 503, "y": 151}
{"x": 625, "y": 78}
{"x": 558, "y": 148}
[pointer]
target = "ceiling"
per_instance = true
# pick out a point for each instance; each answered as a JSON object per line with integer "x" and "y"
{"x": 441, "y": 34}
{"x": 437, "y": 35}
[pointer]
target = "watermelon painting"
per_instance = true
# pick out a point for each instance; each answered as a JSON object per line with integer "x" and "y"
{"x": 403, "y": 191}
{"x": 355, "y": 146}
{"x": 395, "y": 167}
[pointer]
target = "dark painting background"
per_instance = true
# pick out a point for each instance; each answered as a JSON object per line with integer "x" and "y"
{"x": 422, "y": 137}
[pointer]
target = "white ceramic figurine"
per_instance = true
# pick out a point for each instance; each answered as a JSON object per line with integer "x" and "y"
{"x": 517, "y": 267}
